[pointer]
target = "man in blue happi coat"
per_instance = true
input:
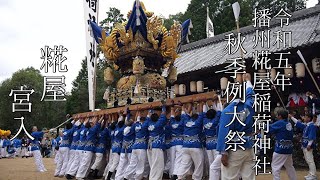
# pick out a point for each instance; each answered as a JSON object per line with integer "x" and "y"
{"x": 137, "y": 168}
{"x": 175, "y": 152}
{"x": 17, "y": 146}
{"x": 156, "y": 144}
{"x": 308, "y": 143}
{"x": 35, "y": 148}
{"x": 116, "y": 146}
{"x": 235, "y": 137}
{"x": 192, "y": 152}
{"x": 73, "y": 146}
{"x": 75, "y": 153}
{"x": 64, "y": 149}
{"x": 80, "y": 144}
{"x": 210, "y": 128}
{"x": 100, "y": 151}
{"x": 282, "y": 155}
{"x": 93, "y": 126}
{"x": 111, "y": 128}
{"x": 128, "y": 140}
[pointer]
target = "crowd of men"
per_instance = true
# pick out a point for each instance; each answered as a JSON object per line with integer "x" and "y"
{"x": 22, "y": 147}
{"x": 186, "y": 139}
{"x": 15, "y": 148}
{"x": 192, "y": 141}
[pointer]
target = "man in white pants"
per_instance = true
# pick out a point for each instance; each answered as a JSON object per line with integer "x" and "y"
{"x": 17, "y": 146}
{"x": 176, "y": 127}
{"x": 5, "y": 146}
{"x": 37, "y": 135}
{"x": 282, "y": 156}
{"x": 211, "y": 127}
{"x": 138, "y": 160}
{"x": 237, "y": 153}
{"x": 308, "y": 143}
{"x": 215, "y": 168}
{"x": 59, "y": 140}
{"x": 64, "y": 147}
{"x": 2, "y": 147}
{"x": 89, "y": 147}
{"x": 74, "y": 153}
{"x": 73, "y": 145}
{"x": 117, "y": 138}
{"x": 128, "y": 140}
{"x": 156, "y": 143}
{"x": 192, "y": 151}
{"x": 111, "y": 128}
{"x": 108, "y": 159}
{"x": 100, "y": 151}
{"x": 72, "y": 171}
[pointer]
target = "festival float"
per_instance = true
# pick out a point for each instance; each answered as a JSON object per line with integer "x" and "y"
{"x": 143, "y": 52}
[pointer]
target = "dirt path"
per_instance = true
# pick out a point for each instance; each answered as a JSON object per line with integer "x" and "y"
{"x": 24, "y": 169}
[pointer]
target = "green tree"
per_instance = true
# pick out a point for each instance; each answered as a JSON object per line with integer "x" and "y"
{"x": 224, "y": 20}
{"x": 169, "y": 21}
{"x": 46, "y": 114}
{"x": 196, "y": 11}
{"x": 221, "y": 13}
{"x": 78, "y": 100}
{"x": 113, "y": 16}
{"x": 101, "y": 85}
{"x": 275, "y": 6}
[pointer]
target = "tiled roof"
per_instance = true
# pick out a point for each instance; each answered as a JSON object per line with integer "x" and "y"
{"x": 304, "y": 25}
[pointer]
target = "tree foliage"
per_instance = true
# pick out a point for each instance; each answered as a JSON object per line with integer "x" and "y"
{"x": 113, "y": 16}
{"x": 275, "y": 6}
{"x": 46, "y": 114}
{"x": 221, "y": 13}
{"x": 78, "y": 101}
{"x": 169, "y": 21}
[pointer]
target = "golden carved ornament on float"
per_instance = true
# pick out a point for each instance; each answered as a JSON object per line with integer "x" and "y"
{"x": 142, "y": 49}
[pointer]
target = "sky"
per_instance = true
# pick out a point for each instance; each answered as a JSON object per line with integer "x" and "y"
{"x": 28, "y": 26}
